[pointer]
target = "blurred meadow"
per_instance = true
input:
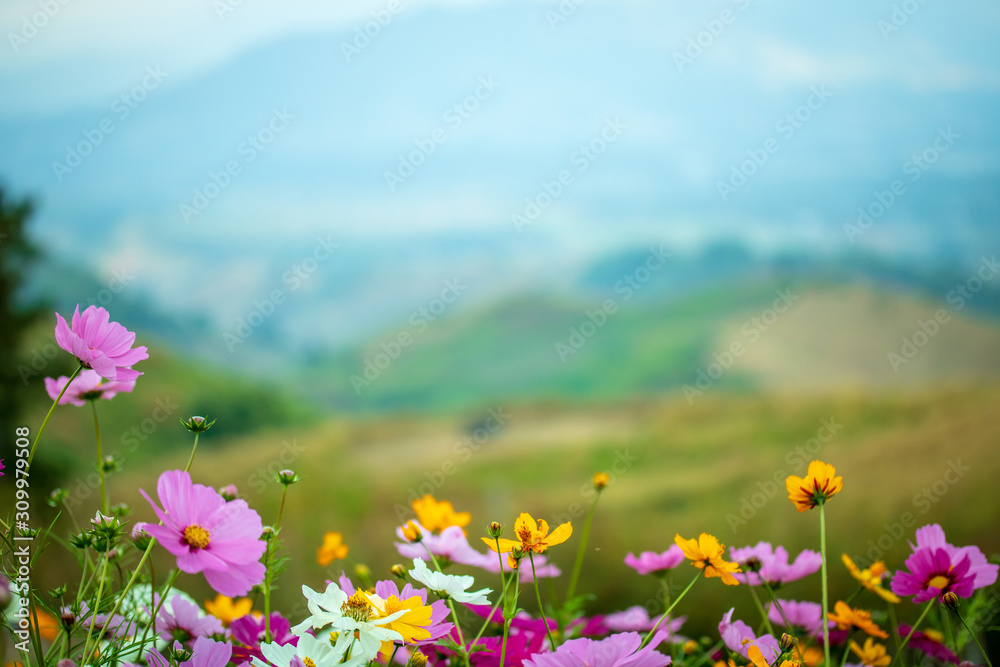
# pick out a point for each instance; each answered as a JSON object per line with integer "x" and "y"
{"x": 485, "y": 249}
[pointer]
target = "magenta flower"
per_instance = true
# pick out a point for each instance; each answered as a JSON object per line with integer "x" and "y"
{"x": 99, "y": 344}
{"x": 929, "y": 643}
{"x": 937, "y": 567}
{"x": 207, "y": 534}
{"x": 87, "y": 386}
{"x": 247, "y": 633}
{"x": 650, "y": 562}
{"x": 738, "y": 637}
{"x": 621, "y": 650}
{"x": 805, "y": 615}
{"x": 204, "y": 653}
{"x": 182, "y": 621}
{"x": 774, "y": 566}
{"x": 520, "y": 647}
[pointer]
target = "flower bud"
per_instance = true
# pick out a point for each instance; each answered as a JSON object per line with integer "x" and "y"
{"x": 58, "y": 592}
{"x": 399, "y": 571}
{"x": 120, "y": 509}
{"x": 229, "y": 493}
{"x": 601, "y": 480}
{"x": 752, "y": 564}
{"x": 690, "y": 646}
{"x": 287, "y": 477}
{"x": 198, "y": 424}
{"x": 81, "y": 541}
{"x": 109, "y": 464}
{"x": 411, "y": 532}
{"x": 140, "y": 538}
{"x": 494, "y": 529}
{"x": 57, "y": 497}
{"x": 67, "y": 617}
{"x": 787, "y": 642}
{"x": 65, "y": 662}
{"x": 950, "y": 601}
{"x": 418, "y": 659}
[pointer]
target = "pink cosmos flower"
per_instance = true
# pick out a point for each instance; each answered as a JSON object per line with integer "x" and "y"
{"x": 774, "y": 566}
{"x": 805, "y": 615}
{"x": 207, "y": 534}
{"x": 204, "y": 653}
{"x": 621, "y": 650}
{"x": 650, "y": 562}
{"x": 247, "y": 633}
{"x": 932, "y": 646}
{"x": 937, "y": 567}
{"x": 637, "y": 619}
{"x": 182, "y": 621}
{"x": 451, "y": 545}
{"x": 87, "y": 386}
{"x": 738, "y": 637}
{"x": 99, "y": 344}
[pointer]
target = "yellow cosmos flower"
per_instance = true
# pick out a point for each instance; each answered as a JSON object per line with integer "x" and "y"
{"x": 531, "y": 536}
{"x": 412, "y": 625}
{"x": 706, "y": 553}
{"x": 411, "y": 532}
{"x": 228, "y": 610}
{"x": 819, "y": 485}
{"x": 436, "y": 516}
{"x": 870, "y": 578}
{"x": 333, "y": 549}
{"x": 811, "y": 656}
{"x": 872, "y": 654}
{"x": 847, "y": 618}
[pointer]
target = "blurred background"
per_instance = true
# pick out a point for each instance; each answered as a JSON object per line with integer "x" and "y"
{"x": 484, "y": 249}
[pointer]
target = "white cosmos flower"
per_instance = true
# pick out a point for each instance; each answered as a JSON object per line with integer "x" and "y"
{"x": 310, "y": 652}
{"x": 358, "y": 618}
{"x": 448, "y": 585}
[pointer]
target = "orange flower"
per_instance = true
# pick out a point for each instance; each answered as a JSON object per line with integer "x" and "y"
{"x": 436, "y": 516}
{"x": 48, "y": 627}
{"x": 411, "y": 532}
{"x": 706, "y": 553}
{"x": 819, "y": 485}
{"x": 811, "y": 656}
{"x": 872, "y": 654}
{"x": 531, "y": 536}
{"x": 847, "y": 618}
{"x": 228, "y": 610}
{"x": 870, "y": 578}
{"x": 333, "y": 549}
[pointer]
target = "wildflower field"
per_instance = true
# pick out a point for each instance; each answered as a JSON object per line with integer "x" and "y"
{"x": 531, "y": 536}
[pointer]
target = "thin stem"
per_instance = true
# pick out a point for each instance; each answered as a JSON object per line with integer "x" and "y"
{"x": 784, "y": 618}
{"x": 760, "y": 607}
{"x": 501, "y": 598}
{"x": 945, "y": 620}
{"x": 584, "y": 538}
{"x": 826, "y": 600}
{"x": 93, "y": 612}
{"x": 41, "y": 429}
{"x": 100, "y": 458}
{"x": 847, "y": 649}
{"x": 894, "y": 624}
{"x": 666, "y": 603}
{"x": 271, "y": 545}
{"x": 853, "y": 595}
{"x": 507, "y": 621}
{"x": 451, "y": 605}
{"x": 972, "y": 634}
{"x": 194, "y": 449}
{"x": 128, "y": 587}
{"x": 541, "y": 608}
{"x": 912, "y": 630}
{"x": 680, "y": 597}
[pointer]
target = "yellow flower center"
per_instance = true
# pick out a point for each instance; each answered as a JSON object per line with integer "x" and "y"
{"x": 196, "y": 537}
{"x": 308, "y": 662}
{"x": 940, "y": 581}
{"x": 357, "y": 607}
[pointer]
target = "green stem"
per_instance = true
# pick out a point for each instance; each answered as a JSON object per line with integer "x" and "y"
{"x": 584, "y": 538}
{"x": 853, "y": 595}
{"x": 41, "y": 429}
{"x": 680, "y": 597}
{"x": 784, "y": 617}
{"x": 194, "y": 449}
{"x": 894, "y": 624}
{"x": 912, "y": 630}
{"x": 128, "y": 587}
{"x": 826, "y": 600}
{"x": 451, "y": 605}
{"x": 507, "y": 621}
{"x": 93, "y": 613}
{"x": 847, "y": 649}
{"x": 986, "y": 656}
{"x": 538, "y": 596}
{"x": 501, "y": 598}
{"x": 100, "y": 458}
{"x": 760, "y": 608}
{"x": 271, "y": 543}
{"x": 666, "y": 603}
